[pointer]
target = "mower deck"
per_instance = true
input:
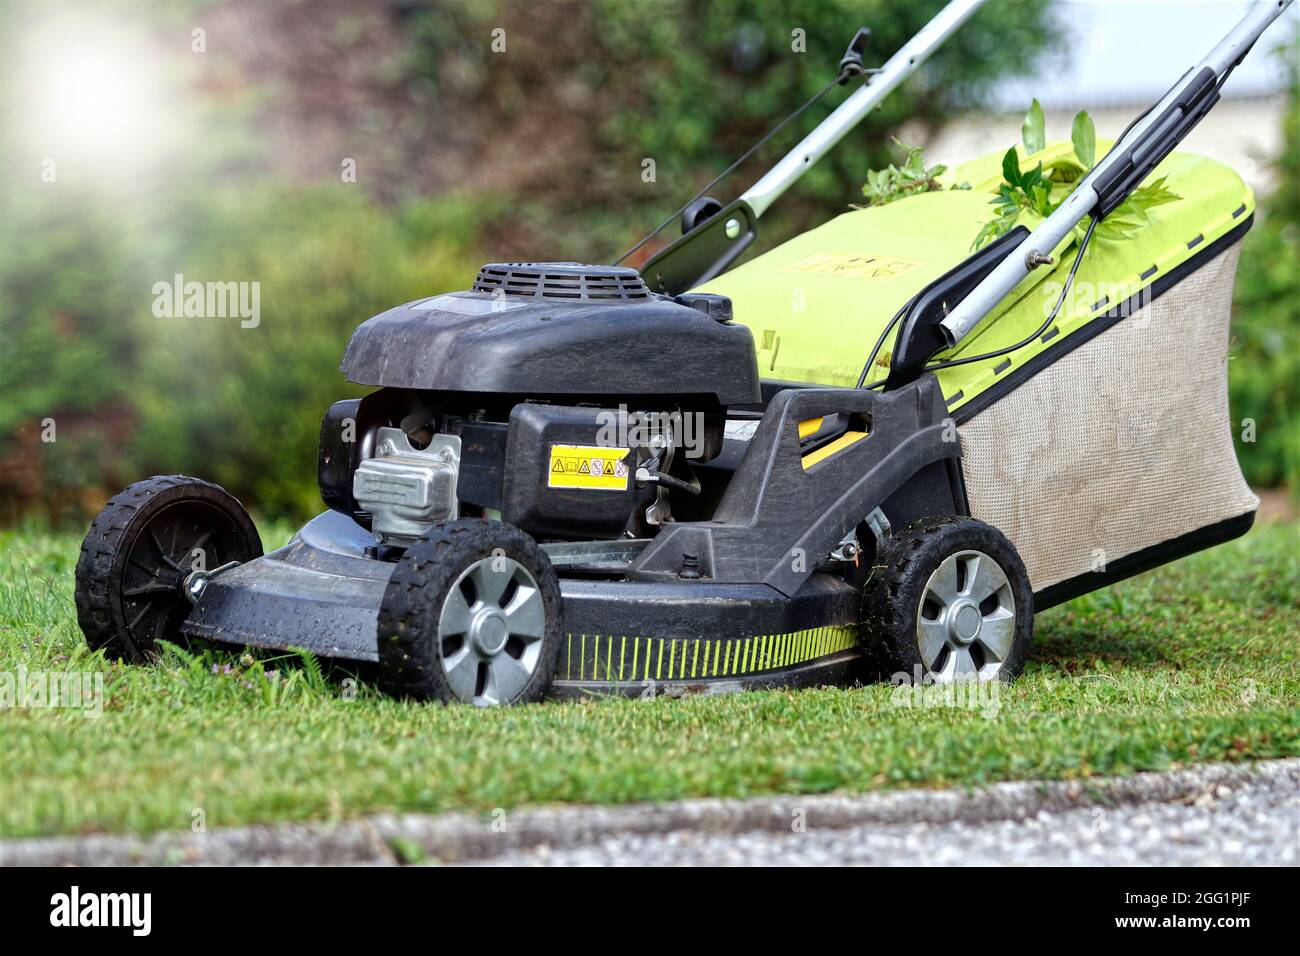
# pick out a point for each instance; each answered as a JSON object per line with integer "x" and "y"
{"x": 322, "y": 593}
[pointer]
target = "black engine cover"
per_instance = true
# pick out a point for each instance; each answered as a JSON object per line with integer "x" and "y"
{"x": 538, "y": 340}
{"x": 549, "y": 488}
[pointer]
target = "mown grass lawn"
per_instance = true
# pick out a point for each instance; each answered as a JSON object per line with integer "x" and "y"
{"x": 1198, "y": 661}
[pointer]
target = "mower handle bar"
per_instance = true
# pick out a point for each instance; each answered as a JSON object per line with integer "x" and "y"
{"x": 848, "y": 114}
{"x": 1152, "y": 137}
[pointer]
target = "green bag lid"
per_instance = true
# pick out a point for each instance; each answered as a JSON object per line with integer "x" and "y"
{"x": 817, "y": 303}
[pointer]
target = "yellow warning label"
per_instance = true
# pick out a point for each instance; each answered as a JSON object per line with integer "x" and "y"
{"x": 588, "y": 466}
{"x": 854, "y": 265}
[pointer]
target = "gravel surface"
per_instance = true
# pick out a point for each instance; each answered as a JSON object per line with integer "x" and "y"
{"x": 1246, "y": 813}
{"x": 1256, "y": 822}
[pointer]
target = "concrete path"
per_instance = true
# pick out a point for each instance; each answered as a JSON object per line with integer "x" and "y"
{"x": 1217, "y": 814}
{"x": 1248, "y": 822}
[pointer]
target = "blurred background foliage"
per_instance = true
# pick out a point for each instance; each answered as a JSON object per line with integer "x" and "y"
{"x": 1264, "y": 376}
{"x": 462, "y": 155}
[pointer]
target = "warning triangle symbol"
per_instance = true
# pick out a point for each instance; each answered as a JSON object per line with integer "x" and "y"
{"x": 583, "y": 469}
{"x": 558, "y": 466}
{"x": 609, "y": 468}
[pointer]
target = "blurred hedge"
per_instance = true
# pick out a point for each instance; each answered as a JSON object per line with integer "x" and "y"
{"x": 1264, "y": 374}
{"x": 131, "y": 394}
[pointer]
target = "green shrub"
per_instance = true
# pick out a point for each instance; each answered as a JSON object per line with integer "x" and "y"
{"x": 133, "y": 394}
{"x": 243, "y": 405}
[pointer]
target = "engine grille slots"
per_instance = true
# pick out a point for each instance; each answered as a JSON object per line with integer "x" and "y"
{"x": 565, "y": 281}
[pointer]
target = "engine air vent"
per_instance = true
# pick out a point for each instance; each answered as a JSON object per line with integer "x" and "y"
{"x": 563, "y": 281}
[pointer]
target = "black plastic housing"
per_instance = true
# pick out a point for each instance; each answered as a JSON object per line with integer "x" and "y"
{"x": 1188, "y": 109}
{"x": 704, "y": 252}
{"x": 920, "y": 336}
{"x": 474, "y": 342}
{"x": 529, "y": 502}
{"x": 482, "y": 463}
{"x": 337, "y": 455}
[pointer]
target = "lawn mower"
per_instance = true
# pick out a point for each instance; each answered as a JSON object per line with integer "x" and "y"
{"x": 575, "y": 479}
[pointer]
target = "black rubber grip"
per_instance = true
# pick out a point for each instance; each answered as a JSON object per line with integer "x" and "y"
{"x": 1164, "y": 135}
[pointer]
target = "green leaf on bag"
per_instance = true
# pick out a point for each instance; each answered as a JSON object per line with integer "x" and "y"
{"x": 1032, "y": 178}
{"x": 1011, "y": 167}
{"x": 913, "y": 177}
{"x": 1083, "y": 133}
{"x": 1027, "y": 197}
{"x": 1152, "y": 195}
{"x": 1034, "y": 130}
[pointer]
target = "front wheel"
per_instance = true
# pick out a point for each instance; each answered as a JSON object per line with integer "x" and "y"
{"x": 950, "y": 598}
{"x": 471, "y": 614}
{"x": 130, "y": 579}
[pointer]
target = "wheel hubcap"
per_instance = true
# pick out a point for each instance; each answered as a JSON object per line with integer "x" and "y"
{"x": 490, "y": 631}
{"x": 964, "y": 622}
{"x": 966, "y": 625}
{"x": 183, "y": 537}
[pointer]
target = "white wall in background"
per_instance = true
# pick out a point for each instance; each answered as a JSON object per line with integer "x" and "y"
{"x": 1121, "y": 56}
{"x": 1129, "y": 52}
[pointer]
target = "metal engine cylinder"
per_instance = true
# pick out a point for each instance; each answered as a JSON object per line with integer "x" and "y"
{"x": 406, "y": 489}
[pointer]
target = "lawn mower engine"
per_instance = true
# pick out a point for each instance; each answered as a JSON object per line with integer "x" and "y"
{"x": 567, "y": 400}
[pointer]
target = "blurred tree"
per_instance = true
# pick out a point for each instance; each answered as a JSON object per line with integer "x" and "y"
{"x": 691, "y": 85}
{"x": 552, "y": 106}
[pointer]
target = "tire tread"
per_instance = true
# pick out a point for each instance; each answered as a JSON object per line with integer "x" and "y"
{"x": 95, "y": 569}
{"x": 409, "y": 659}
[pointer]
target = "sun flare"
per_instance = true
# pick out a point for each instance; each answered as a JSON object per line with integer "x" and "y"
{"x": 89, "y": 90}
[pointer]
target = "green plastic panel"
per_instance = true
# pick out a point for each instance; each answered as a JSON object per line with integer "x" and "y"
{"x": 817, "y": 303}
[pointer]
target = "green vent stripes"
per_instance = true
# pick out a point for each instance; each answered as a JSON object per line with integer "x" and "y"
{"x": 604, "y": 657}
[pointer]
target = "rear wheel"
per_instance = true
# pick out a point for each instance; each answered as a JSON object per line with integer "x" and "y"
{"x": 130, "y": 579}
{"x": 951, "y": 597}
{"x": 471, "y": 614}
